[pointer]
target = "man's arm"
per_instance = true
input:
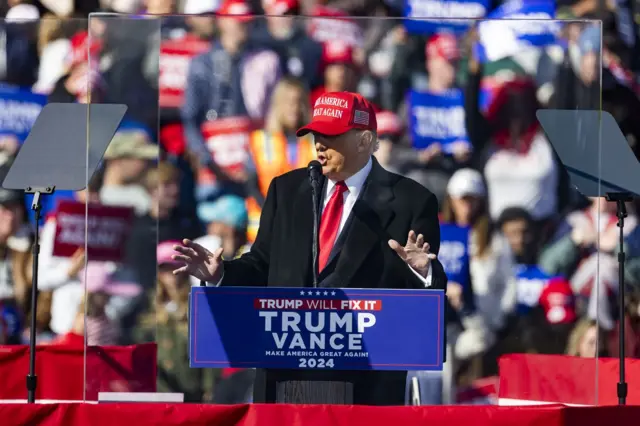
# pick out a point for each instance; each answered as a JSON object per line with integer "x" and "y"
{"x": 252, "y": 268}
{"x": 425, "y": 222}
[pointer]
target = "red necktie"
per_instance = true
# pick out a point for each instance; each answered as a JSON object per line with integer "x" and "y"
{"x": 330, "y": 223}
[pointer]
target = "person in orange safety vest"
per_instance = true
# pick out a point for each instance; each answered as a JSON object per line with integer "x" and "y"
{"x": 276, "y": 150}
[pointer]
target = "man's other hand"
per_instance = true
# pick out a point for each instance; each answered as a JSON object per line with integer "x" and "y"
{"x": 199, "y": 262}
{"x": 415, "y": 252}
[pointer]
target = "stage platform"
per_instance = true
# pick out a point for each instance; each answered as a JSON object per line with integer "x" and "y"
{"x": 78, "y": 414}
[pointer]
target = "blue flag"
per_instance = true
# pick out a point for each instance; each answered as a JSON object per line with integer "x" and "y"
{"x": 18, "y": 111}
{"x": 437, "y": 118}
{"x": 454, "y": 253}
{"x": 432, "y": 16}
{"x": 515, "y": 26}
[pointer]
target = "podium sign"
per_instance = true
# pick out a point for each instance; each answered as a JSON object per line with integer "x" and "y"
{"x": 321, "y": 328}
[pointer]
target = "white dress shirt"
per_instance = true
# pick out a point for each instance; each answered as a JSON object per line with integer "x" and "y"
{"x": 354, "y": 185}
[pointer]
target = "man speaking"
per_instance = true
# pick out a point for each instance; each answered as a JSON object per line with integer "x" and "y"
{"x": 377, "y": 230}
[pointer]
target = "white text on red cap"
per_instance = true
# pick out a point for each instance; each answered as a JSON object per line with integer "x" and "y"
{"x": 331, "y": 101}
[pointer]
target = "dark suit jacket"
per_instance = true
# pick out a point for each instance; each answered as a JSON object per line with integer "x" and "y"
{"x": 389, "y": 207}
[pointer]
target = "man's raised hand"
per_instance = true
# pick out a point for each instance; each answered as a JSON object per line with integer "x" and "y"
{"x": 415, "y": 253}
{"x": 199, "y": 262}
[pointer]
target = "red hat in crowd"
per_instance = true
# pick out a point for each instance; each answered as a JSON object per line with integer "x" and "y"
{"x": 388, "y": 123}
{"x": 84, "y": 47}
{"x": 280, "y": 7}
{"x": 337, "y": 52}
{"x": 335, "y": 113}
{"x": 558, "y": 301}
{"x": 444, "y": 46}
{"x": 238, "y": 9}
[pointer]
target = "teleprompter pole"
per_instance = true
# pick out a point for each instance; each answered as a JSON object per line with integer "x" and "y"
{"x": 620, "y": 198}
{"x": 36, "y": 206}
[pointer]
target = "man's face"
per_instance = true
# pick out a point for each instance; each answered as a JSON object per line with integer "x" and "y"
{"x": 160, "y": 7}
{"x": 233, "y": 28}
{"x": 201, "y": 25}
{"x": 132, "y": 168}
{"x": 517, "y": 233}
{"x": 168, "y": 194}
{"x": 338, "y": 155}
{"x": 442, "y": 70}
{"x": 292, "y": 107}
{"x": 339, "y": 77}
{"x": 230, "y": 237}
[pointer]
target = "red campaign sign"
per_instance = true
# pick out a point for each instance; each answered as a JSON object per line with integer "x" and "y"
{"x": 332, "y": 24}
{"x": 175, "y": 57}
{"x": 107, "y": 231}
{"x": 228, "y": 142}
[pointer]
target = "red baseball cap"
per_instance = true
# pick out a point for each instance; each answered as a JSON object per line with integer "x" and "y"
{"x": 84, "y": 47}
{"x": 558, "y": 301}
{"x": 388, "y": 123}
{"x": 443, "y": 46}
{"x": 237, "y": 9}
{"x": 335, "y": 113}
{"x": 280, "y": 7}
{"x": 337, "y": 52}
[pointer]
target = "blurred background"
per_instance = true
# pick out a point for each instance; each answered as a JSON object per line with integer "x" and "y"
{"x": 215, "y": 92}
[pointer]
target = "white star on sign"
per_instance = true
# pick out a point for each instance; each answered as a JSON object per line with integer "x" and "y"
{"x": 325, "y": 293}
{"x": 302, "y": 293}
{"x": 310, "y": 293}
{"x": 333, "y": 293}
{"x": 317, "y": 293}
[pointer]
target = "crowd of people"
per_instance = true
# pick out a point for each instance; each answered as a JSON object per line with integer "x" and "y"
{"x": 215, "y": 93}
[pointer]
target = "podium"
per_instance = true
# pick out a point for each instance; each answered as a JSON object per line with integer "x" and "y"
{"x": 314, "y": 345}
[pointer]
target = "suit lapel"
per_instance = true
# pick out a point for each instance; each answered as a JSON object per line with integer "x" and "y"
{"x": 369, "y": 218}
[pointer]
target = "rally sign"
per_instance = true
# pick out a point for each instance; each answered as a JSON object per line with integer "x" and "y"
{"x": 107, "y": 228}
{"x": 432, "y": 16}
{"x": 227, "y": 140}
{"x": 437, "y": 118}
{"x": 175, "y": 57}
{"x": 515, "y": 26}
{"x": 454, "y": 253}
{"x": 316, "y": 328}
{"x": 19, "y": 109}
{"x": 329, "y": 24}
{"x": 530, "y": 282}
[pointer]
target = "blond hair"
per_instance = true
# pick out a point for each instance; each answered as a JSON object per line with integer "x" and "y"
{"x": 158, "y": 314}
{"x": 577, "y": 334}
{"x": 165, "y": 172}
{"x": 50, "y": 29}
{"x": 273, "y": 122}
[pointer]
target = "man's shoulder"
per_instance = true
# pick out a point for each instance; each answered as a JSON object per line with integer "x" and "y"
{"x": 406, "y": 187}
{"x": 292, "y": 179}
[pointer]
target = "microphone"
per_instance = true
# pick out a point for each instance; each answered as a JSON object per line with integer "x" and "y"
{"x": 315, "y": 172}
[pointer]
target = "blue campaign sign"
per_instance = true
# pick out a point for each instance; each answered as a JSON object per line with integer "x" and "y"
{"x": 323, "y": 328}
{"x": 437, "y": 118}
{"x": 18, "y": 111}
{"x": 454, "y": 253}
{"x": 514, "y": 26}
{"x": 432, "y": 16}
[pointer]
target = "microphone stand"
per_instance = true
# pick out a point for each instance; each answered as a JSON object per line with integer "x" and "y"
{"x": 316, "y": 225}
{"x": 315, "y": 172}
